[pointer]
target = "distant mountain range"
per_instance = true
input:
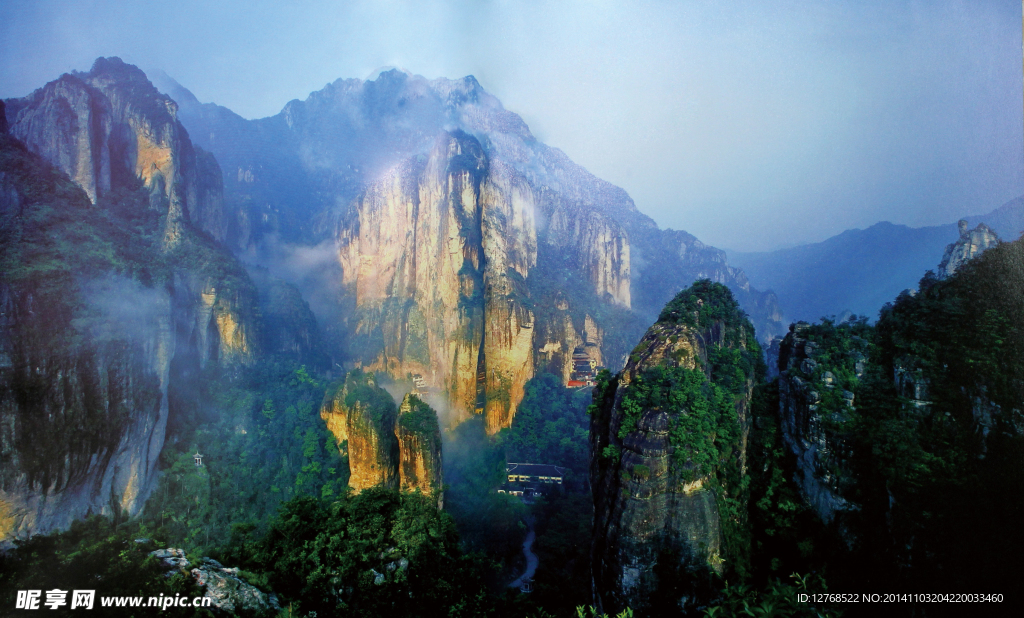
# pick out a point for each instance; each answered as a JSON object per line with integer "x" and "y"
{"x": 860, "y": 270}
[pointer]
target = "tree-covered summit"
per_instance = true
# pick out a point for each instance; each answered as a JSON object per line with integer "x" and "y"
{"x": 701, "y": 304}
{"x": 418, "y": 416}
{"x": 361, "y": 387}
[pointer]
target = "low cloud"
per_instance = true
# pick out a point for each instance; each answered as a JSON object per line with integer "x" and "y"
{"x": 119, "y": 308}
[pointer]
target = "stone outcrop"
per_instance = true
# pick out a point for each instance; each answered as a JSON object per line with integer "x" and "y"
{"x": 970, "y": 244}
{"x": 819, "y": 454}
{"x": 419, "y": 448}
{"x": 372, "y": 447}
{"x": 656, "y": 508}
{"x": 223, "y": 586}
{"x": 397, "y": 449}
{"x": 334, "y": 412}
{"x": 362, "y": 417}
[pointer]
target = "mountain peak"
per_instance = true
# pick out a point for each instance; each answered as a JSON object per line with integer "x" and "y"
{"x": 114, "y": 68}
{"x": 388, "y": 73}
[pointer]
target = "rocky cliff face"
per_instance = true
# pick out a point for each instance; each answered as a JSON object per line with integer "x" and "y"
{"x": 106, "y": 126}
{"x": 111, "y": 129}
{"x": 99, "y": 325}
{"x": 471, "y": 254}
{"x": 435, "y": 263}
{"x": 219, "y": 317}
{"x": 660, "y": 432}
{"x": 395, "y": 449}
{"x": 438, "y": 259}
{"x": 290, "y": 327}
{"x": 103, "y": 412}
{"x": 83, "y": 389}
{"x": 812, "y": 400}
{"x": 419, "y": 448}
{"x": 362, "y": 417}
{"x": 970, "y": 244}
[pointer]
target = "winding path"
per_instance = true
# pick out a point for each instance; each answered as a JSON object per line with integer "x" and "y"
{"x": 531, "y": 559}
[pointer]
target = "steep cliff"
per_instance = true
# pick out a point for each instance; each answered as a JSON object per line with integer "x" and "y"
{"x": 111, "y": 124}
{"x": 904, "y": 435}
{"x": 84, "y": 365}
{"x": 113, "y": 298}
{"x": 289, "y": 326}
{"x": 114, "y": 134}
{"x": 668, "y": 437}
{"x": 439, "y": 260}
{"x": 362, "y": 417}
{"x": 419, "y": 448}
{"x": 944, "y": 427}
{"x": 431, "y": 263}
{"x": 471, "y": 254}
{"x": 819, "y": 369}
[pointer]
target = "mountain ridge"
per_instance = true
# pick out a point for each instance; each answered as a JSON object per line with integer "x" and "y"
{"x": 860, "y": 270}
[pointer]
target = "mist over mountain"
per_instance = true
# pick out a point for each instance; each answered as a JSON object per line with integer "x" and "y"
{"x": 861, "y": 270}
{"x": 369, "y": 170}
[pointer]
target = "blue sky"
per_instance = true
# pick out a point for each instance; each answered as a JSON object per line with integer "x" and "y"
{"x": 749, "y": 124}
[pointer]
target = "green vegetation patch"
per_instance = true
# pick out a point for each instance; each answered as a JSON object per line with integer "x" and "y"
{"x": 421, "y": 418}
{"x": 361, "y": 387}
{"x": 704, "y": 422}
{"x": 550, "y": 426}
{"x": 94, "y": 554}
{"x": 703, "y": 303}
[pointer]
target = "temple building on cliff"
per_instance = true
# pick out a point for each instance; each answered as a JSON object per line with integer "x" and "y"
{"x": 584, "y": 367}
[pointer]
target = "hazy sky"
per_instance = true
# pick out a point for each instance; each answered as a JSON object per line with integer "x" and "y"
{"x": 750, "y": 124}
